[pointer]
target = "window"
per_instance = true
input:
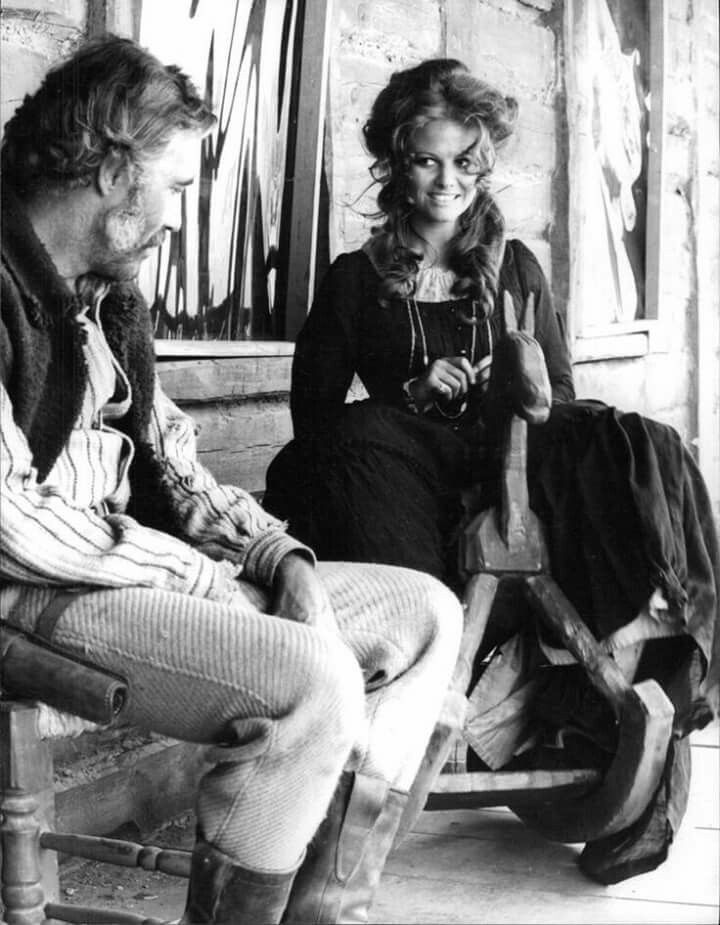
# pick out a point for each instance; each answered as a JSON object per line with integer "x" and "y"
{"x": 247, "y": 240}
{"x": 615, "y": 72}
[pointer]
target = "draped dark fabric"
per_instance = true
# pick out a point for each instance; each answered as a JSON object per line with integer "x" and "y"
{"x": 358, "y": 476}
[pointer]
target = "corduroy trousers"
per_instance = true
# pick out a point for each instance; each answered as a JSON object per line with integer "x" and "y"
{"x": 284, "y": 707}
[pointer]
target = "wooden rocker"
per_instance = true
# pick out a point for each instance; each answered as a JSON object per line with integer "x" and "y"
{"x": 506, "y": 544}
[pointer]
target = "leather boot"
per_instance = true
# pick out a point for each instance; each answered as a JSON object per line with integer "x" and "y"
{"x": 337, "y": 880}
{"x": 223, "y": 893}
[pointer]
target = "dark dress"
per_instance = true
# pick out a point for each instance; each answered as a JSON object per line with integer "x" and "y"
{"x": 370, "y": 480}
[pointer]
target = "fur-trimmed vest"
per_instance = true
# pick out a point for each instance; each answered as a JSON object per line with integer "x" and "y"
{"x": 43, "y": 367}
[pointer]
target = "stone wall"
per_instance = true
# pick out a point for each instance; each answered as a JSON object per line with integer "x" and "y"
{"x": 34, "y": 35}
{"x": 511, "y": 44}
{"x": 369, "y": 41}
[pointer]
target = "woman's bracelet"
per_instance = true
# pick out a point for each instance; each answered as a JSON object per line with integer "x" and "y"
{"x": 451, "y": 417}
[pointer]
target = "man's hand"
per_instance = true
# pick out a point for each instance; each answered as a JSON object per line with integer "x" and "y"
{"x": 298, "y": 594}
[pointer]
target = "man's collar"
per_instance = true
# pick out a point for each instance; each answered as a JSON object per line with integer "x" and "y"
{"x": 30, "y": 264}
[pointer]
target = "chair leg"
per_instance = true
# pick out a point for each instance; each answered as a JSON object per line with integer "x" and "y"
{"x": 28, "y": 876}
{"x": 477, "y": 604}
{"x": 448, "y": 730}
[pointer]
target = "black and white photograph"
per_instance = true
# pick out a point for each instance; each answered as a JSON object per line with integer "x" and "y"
{"x": 360, "y": 462}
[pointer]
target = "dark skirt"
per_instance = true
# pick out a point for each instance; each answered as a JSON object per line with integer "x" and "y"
{"x": 383, "y": 486}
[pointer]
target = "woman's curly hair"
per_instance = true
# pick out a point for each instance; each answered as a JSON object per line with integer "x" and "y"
{"x": 111, "y": 94}
{"x": 440, "y": 88}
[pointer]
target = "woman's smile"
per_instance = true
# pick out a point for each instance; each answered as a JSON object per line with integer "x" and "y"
{"x": 443, "y": 172}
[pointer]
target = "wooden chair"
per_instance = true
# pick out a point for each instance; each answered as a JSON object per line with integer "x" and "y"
{"x": 506, "y": 544}
{"x": 29, "y": 887}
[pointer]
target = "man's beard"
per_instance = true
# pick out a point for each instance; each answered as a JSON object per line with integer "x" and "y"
{"x": 121, "y": 241}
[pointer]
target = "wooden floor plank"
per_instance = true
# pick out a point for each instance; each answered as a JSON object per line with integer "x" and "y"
{"x": 485, "y": 867}
{"x": 421, "y": 901}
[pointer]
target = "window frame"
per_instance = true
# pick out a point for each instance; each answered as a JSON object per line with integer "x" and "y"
{"x": 618, "y": 340}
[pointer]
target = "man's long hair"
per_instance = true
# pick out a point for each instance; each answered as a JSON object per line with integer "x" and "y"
{"x": 111, "y": 94}
{"x": 439, "y": 88}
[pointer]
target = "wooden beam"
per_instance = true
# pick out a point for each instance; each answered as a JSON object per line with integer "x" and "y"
{"x": 172, "y": 349}
{"x": 146, "y": 786}
{"x": 576, "y": 94}
{"x": 121, "y": 17}
{"x": 237, "y": 441}
{"x": 498, "y": 788}
{"x": 225, "y": 379}
{"x": 658, "y": 16}
{"x": 706, "y": 207}
{"x": 305, "y": 164}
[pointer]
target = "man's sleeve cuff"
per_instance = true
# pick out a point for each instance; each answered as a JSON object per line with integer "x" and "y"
{"x": 264, "y": 553}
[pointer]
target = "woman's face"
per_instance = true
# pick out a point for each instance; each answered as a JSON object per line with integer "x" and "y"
{"x": 443, "y": 173}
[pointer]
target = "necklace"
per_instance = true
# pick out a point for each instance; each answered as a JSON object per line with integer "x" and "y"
{"x": 414, "y": 313}
{"x": 417, "y": 335}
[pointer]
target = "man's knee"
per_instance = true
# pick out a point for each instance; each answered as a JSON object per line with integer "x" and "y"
{"x": 332, "y": 696}
{"x": 438, "y": 613}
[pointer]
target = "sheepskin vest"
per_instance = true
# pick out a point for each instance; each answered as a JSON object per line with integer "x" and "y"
{"x": 43, "y": 367}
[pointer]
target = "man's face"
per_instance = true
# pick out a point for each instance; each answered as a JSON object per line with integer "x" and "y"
{"x": 125, "y": 233}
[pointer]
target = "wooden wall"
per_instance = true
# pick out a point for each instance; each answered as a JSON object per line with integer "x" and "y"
{"x": 35, "y": 34}
{"x": 240, "y": 407}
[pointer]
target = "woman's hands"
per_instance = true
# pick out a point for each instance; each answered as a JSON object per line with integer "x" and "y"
{"x": 448, "y": 379}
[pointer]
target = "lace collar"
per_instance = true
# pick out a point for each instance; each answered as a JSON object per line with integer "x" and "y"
{"x": 432, "y": 284}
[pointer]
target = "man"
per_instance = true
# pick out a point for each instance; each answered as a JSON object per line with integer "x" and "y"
{"x": 316, "y": 684}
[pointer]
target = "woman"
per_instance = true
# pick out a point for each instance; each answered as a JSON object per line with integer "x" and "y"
{"x": 416, "y": 315}
{"x": 413, "y": 314}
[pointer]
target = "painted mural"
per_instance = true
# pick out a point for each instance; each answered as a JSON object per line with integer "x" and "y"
{"x": 216, "y": 277}
{"x": 615, "y": 120}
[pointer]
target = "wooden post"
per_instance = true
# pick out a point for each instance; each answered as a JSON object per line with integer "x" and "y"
{"x": 121, "y": 17}
{"x": 305, "y": 165}
{"x": 28, "y": 877}
{"x": 655, "y": 258}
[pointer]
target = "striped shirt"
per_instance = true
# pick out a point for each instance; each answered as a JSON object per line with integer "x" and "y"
{"x": 71, "y": 531}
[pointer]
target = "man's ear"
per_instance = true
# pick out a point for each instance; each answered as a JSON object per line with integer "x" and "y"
{"x": 114, "y": 173}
